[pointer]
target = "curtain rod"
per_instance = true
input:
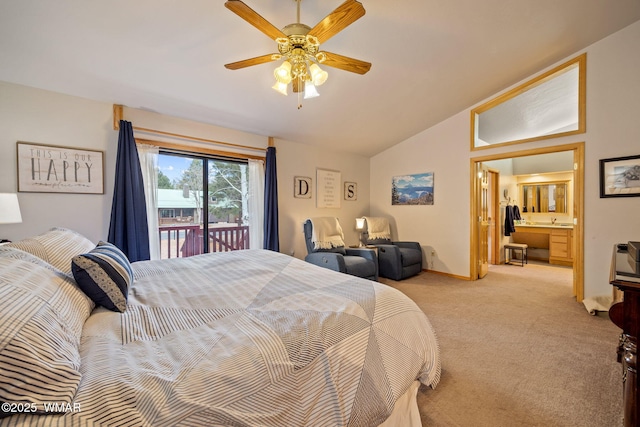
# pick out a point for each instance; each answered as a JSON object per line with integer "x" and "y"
{"x": 198, "y": 150}
{"x": 118, "y": 114}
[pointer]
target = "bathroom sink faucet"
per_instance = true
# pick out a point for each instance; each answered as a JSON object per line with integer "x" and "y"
{"x": 553, "y": 220}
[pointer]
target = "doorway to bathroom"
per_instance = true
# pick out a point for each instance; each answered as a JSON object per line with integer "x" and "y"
{"x": 488, "y": 197}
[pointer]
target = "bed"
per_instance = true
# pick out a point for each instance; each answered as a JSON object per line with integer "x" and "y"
{"x": 244, "y": 338}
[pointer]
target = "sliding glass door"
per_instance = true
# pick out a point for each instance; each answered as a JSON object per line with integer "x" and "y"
{"x": 228, "y": 221}
{"x": 202, "y": 204}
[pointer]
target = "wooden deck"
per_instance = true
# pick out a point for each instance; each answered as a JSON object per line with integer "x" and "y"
{"x": 180, "y": 241}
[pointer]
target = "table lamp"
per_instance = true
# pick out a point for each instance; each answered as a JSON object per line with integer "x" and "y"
{"x": 360, "y": 227}
{"x": 9, "y": 210}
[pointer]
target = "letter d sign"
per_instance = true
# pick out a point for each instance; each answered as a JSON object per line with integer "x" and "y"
{"x": 302, "y": 187}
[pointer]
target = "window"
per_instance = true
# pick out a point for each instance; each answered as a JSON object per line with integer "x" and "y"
{"x": 167, "y": 213}
{"x": 202, "y": 204}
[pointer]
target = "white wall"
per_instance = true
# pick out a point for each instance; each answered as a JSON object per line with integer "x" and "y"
{"x": 444, "y": 226}
{"x": 613, "y": 130}
{"x": 295, "y": 159}
{"x": 543, "y": 163}
{"x": 42, "y": 117}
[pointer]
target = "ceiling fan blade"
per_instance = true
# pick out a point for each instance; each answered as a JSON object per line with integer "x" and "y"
{"x": 253, "y": 61}
{"x": 346, "y": 63}
{"x": 253, "y": 18}
{"x": 346, "y": 14}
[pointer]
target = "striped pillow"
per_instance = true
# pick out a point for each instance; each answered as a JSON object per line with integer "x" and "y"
{"x": 57, "y": 246}
{"x": 42, "y": 313}
{"x": 104, "y": 274}
{"x": 7, "y": 251}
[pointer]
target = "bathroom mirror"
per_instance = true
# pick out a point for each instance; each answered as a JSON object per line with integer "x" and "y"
{"x": 544, "y": 197}
{"x": 548, "y": 106}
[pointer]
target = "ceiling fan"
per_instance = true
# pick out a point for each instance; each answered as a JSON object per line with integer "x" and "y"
{"x": 299, "y": 45}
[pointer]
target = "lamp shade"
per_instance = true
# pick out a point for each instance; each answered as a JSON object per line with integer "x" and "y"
{"x": 318, "y": 75}
{"x": 280, "y": 87}
{"x": 283, "y": 73}
{"x": 310, "y": 90}
{"x": 359, "y": 223}
{"x": 9, "y": 209}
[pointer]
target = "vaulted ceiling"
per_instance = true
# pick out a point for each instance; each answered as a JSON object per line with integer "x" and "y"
{"x": 431, "y": 59}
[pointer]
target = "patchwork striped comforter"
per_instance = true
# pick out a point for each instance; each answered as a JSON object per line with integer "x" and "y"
{"x": 248, "y": 338}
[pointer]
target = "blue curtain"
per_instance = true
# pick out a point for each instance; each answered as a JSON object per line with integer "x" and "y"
{"x": 129, "y": 229}
{"x": 271, "y": 239}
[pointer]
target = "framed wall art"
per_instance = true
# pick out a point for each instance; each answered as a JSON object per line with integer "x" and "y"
{"x": 328, "y": 188}
{"x": 350, "y": 191}
{"x": 620, "y": 177}
{"x": 301, "y": 187}
{"x": 414, "y": 189}
{"x": 55, "y": 169}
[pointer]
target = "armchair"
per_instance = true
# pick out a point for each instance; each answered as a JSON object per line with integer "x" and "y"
{"x": 396, "y": 260}
{"x": 325, "y": 248}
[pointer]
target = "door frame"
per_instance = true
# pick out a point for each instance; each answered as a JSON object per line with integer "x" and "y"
{"x": 494, "y": 226}
{"x": 578, "y": 207}
{"x": 483, "y": 223}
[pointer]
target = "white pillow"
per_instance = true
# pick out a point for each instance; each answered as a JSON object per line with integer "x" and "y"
{"x": 56, "y": 246}
{"x": 42, "y": 313}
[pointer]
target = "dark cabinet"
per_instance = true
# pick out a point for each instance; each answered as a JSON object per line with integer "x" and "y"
{"x": 625, "y": 313}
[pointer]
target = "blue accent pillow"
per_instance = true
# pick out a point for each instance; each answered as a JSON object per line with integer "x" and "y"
{"x": 105, "y": 275}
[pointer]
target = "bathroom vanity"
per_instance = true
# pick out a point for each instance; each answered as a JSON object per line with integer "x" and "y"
{"x": 556, "y": 238}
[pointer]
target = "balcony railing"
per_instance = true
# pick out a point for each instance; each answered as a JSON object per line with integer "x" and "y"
{"x": 180, "y": 241}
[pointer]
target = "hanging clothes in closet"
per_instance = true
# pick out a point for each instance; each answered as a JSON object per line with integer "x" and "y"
{"x": 511, "y": 214}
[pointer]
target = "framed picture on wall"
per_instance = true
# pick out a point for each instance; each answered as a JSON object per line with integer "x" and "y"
{"x": 56, "y": 169}
{"x": 328, "y": 188}
{"x": 416, "y": 189}
{"x": 301, "y": 187}
{"x": 620, "y": 177}
{"x": 350, "y": 191}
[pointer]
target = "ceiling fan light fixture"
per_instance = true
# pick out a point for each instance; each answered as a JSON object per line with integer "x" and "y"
{"x": 318, "y": 75}
{"x": 283, "y": 73}
{"x": 299, "y": 48}
{"x": 280, "y": 87}
{"x": 310, "y": 90}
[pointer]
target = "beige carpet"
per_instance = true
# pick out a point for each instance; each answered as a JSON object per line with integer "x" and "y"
{"x": 517, "y": 350}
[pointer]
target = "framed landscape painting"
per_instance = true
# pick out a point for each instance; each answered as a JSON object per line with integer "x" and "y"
{"x": 414, "y": 189}
{"x": 620, "y": 177}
